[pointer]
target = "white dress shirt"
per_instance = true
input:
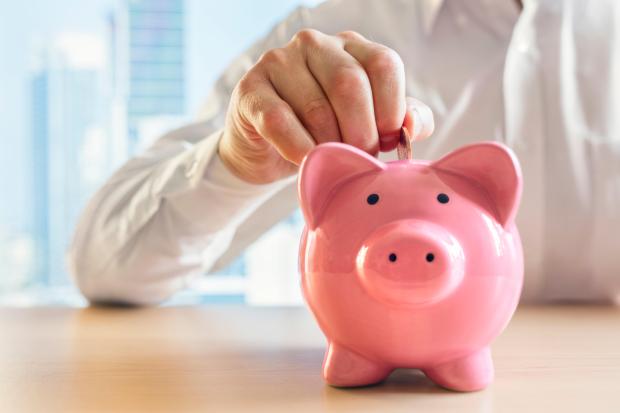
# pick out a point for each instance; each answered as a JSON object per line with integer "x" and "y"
{"x": 544, "y": 80}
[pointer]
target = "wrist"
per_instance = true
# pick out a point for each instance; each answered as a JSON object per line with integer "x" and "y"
{"x": 229, "y": 161}
{"x": 252, "y": 169}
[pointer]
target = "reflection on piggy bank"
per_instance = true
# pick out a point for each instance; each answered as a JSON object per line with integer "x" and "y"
{"x": 411, "y": 264}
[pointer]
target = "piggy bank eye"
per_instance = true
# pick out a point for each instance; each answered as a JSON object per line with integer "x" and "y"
{"x": 372, "y": 199}
{"x": 443, "y": 198}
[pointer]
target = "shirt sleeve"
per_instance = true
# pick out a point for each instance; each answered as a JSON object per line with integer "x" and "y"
{"x": 175, "y": 211}
{"x": 171, "y": 212}
{"x": 159, "y": 219}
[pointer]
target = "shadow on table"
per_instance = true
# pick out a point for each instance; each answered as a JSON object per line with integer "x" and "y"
{"x": 405, "y": 390}
{"x": 401, "y": 381}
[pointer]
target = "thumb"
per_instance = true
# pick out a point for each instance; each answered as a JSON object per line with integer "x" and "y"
{"x": 418, "y": 119}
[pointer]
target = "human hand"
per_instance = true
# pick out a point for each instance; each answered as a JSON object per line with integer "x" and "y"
{"x": 318, "y": 88}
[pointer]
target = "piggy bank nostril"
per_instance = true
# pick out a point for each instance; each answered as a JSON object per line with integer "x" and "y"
{"x": 430, "y": 257}
{"x": 392, "y": 257}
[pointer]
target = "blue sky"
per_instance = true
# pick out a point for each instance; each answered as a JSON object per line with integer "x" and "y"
{"x": 218, "y": 31}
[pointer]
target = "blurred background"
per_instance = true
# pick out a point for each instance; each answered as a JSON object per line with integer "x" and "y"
{"x": 86, "y": 86}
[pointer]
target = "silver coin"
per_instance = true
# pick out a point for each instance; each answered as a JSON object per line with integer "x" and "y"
{"x": 404, "y": 148}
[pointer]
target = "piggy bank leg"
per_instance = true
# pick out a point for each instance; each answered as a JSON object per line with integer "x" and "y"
{"x": 344, "y": 368}
{"x": 469, "y": 373}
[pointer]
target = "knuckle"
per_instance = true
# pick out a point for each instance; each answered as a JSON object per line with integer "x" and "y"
{"x": 245, "y": 86}
{"x": 318, "y": 114}
{"x": 307, "y": 37}
{"x": 273, "y": 57}
{"x": 346, "y": 82}
{"x": 273, "y": 118}
{"x": 384, "y": 61}
{"x": 246, "y": 97}
{"x": 350, "y": 35}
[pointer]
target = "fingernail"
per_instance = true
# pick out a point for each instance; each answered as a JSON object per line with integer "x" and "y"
{"x": 389, "y": 138}
{"x": 418, "y": 123}
{"x": 423, "y": 123}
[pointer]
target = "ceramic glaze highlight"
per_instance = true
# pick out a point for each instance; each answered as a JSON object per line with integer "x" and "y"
{"x": 411, "y": 264}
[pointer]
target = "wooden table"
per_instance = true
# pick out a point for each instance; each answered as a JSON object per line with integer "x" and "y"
{"x": 228, "y": 359}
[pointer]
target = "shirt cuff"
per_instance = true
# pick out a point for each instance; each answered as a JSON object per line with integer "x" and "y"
{"x": 218, "y": 174}
{"x": 216, "y": 199}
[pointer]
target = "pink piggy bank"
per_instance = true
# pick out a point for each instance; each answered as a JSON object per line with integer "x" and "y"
{"x": 411, "y": 264}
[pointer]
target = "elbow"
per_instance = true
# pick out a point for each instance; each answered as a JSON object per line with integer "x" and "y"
{"x": 109, "y": 290}
{"x": 115, "y": 284}
{"x": 101, "y": 291}
{"x": 111, "y": 274}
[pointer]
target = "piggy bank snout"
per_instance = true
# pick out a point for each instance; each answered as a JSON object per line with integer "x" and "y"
{"x": 410, "y": 262}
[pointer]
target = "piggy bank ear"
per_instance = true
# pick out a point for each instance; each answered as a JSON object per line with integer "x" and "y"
{"x": 323, "y": 170}
{"x": 495, "y": 168}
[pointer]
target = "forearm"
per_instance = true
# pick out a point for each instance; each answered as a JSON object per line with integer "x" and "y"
{"x": 160, "y": 220}
{"x": 169, "y": 211}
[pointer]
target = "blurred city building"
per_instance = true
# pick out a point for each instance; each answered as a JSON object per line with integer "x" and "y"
{"x": 66, "y": 111}
{"x": 147, "y": 67}
{"x": 97, "y": 96}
